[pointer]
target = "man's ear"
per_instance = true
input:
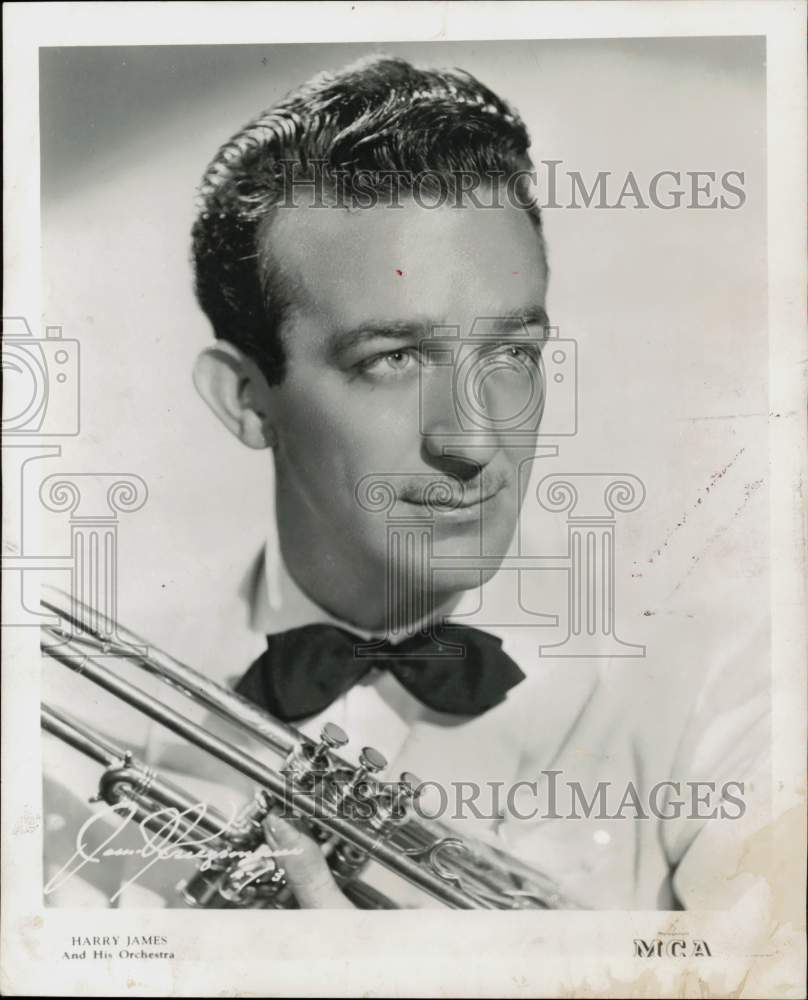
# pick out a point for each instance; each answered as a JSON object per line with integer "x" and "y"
{"x": 235, "y": 389}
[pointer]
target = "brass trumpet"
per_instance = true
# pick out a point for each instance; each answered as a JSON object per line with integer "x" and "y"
{"x": 347, "y": 809}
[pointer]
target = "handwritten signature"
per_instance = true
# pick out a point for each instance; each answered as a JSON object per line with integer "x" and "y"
{"x": 168, "y": 834}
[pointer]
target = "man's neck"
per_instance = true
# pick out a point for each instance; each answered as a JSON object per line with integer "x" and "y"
{"x": 358, "y": 595}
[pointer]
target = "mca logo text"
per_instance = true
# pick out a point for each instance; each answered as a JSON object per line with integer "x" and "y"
{"x": 672, "y": 947}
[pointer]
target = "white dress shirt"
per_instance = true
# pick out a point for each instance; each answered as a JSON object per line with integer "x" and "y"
{"x": 638, "y": 722}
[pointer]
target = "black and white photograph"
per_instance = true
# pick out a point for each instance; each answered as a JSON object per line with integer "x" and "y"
{"x": 404, "y": 464}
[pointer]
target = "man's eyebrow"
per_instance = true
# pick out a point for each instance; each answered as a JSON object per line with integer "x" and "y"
{"x": 390, "y": 329}
{"x": 384, "y": 329}
{"x": 530, "y": 316}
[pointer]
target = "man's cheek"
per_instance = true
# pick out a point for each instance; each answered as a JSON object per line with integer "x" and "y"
{"x": 521, "y": 458}
{"x": 375, "y": 445}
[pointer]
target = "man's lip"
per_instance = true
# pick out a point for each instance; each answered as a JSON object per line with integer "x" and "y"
{"x": 460, "y": 505}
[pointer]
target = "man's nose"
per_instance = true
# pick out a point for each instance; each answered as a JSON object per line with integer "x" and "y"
{"x": 459, "y": 448}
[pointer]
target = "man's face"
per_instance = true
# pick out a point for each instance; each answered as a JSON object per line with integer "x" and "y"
{"x": 362, "y": 397}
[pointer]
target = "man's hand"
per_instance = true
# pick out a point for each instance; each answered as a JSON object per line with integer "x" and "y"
{"x": 307, "y": 871}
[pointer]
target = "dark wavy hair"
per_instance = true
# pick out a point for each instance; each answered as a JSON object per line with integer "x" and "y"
{"x": 378, "y": 114}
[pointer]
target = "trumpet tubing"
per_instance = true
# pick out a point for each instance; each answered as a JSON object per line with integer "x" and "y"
{"x": 348, "y": 809}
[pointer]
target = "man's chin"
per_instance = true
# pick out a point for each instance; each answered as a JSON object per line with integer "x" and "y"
{"x": 449, "y": 581}
{"x": 442, "y": 583}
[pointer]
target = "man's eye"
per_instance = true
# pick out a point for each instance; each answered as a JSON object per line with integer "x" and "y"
{"x": 522, "y": 351}
{"x": 531, "y": 352}
{"x": 390, "y": 363}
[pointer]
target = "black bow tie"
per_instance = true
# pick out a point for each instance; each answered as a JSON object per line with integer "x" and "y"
{"x": 455, "y": 669}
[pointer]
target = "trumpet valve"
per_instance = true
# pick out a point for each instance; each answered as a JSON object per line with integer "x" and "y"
{"x": 407, "y": 791}
{"x": 370, "y": 762}
{"x": 390, "y": 807}
{"x": 306, "y": 762}
{"x": 332, "y": 737}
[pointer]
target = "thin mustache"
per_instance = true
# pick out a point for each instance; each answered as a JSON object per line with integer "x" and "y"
{"x": 453, "y": 492}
